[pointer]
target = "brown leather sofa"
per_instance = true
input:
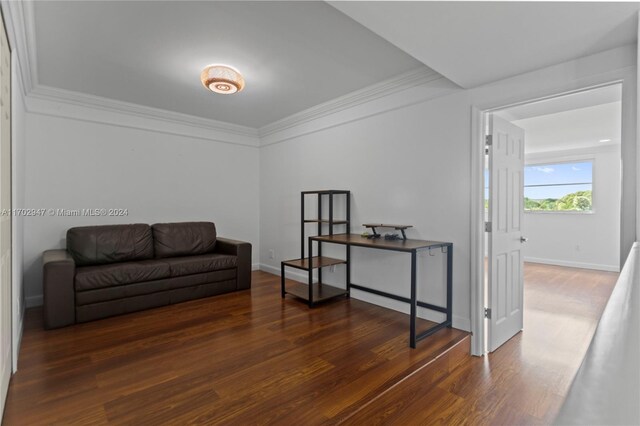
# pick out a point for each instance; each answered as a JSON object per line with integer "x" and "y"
{"x": 116, "y": 269}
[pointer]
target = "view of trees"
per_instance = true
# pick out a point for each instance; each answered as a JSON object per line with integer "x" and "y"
{"x": 576, "y": 201}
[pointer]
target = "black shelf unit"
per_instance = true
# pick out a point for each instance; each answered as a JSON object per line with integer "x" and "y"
{"x": 314, "y": 293}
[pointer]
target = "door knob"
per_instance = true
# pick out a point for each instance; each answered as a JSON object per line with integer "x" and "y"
{"x": 523, "y": 239}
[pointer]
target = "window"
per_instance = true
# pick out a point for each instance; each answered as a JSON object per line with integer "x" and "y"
{"x": 559, "y": 187}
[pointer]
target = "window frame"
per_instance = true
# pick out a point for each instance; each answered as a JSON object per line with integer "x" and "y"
{"x": 564, "y": 160}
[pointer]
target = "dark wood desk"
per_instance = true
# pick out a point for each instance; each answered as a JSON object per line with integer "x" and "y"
{"x": 407, "y": 246}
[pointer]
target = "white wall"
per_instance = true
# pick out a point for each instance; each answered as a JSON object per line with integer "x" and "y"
{"x": 637, "y": 119}
{"x": 412, "y": 165}
{"x": 402, "y": 167}
{"x": 159, "y": 176}
{"x": 18, "y": 147}
{"x": 575, "y": 239}
{"x": 406, "y": 157}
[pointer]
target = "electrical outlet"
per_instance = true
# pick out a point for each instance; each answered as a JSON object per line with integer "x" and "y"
{"x": 577, "y": 247}
{"x": 271, "y": 254}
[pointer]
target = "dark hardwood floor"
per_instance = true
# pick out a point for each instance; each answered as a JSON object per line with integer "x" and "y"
{"x": 525, "y": 380}
{"x": 242, "y": 358}
{"x": 252, "y": 358}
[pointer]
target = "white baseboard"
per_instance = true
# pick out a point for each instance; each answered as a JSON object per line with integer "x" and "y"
{"x": 16, "y": 351}
{"x": 255, "y": 266}
{"x": 293, "y": 274}
{"x": 273, "y": 270}
{"x": 460, "y": 323}
{"x": 33, "y": 301}
{"x": 5, "y": 377}
{"x": 571, "y": 264}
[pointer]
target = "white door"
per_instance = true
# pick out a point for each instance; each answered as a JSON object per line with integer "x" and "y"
{"x": 506, "y": 278}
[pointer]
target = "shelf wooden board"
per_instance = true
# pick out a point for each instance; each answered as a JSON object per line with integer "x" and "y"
{"x": 316, "y": 262}
{"x": 321, "y": 292}
{"x": 335, "y": 222}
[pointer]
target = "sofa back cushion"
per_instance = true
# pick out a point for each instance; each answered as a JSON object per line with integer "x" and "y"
{"x": 183, "y": 239}
{"x": 97, "y": 245}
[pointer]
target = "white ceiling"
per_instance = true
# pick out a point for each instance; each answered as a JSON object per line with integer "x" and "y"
{"x": 582, "y": 99}
{"x": 580, "y": 128}
{"x": 293, "y": 55}
{"x": 473, "y": 43}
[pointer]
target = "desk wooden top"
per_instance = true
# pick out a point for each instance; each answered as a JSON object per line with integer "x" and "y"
{"x": 378, "y": 243}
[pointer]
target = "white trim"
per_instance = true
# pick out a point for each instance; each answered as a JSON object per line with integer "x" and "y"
{"x": 572, "y": 264}
{"x": 15, "y": 359}
{"x": 458, "y": 322}
{"x": 17, "y": 303}
{"x": 626, "y": 76}
{"x": 292, "y": 273}
{"x": 5, "y": 378}
{"x": 46, "y": 100}
{"x": 22, "y": 28}
{"x": 80, "y": 106}
{"x": 364, "y": 108}
{"x": 19, "y": 20}
{"x": 272, "y": 269}
{"x": 477, "y": 232}
{"x": 106, "y": 104}
{"x": 33, "y": 301}
{"x": 404, "y": 81}
{"x": 255, "y": 266}
{"x": 71, "y": 105}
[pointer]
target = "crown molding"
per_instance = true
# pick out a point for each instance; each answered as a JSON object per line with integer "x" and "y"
{"x": 20, "y": 24}
{"x": 19, "y": 19}
{"x": 417, "y": 77}
{"x": 54, "y": 94}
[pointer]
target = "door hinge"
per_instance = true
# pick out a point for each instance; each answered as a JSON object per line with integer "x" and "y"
{"x": 487, "y": 227}
{"x": 488, "y": 140}
{"x": 487, "y": 313}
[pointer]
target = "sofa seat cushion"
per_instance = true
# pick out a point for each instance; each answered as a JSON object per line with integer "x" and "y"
{"x": 115, "y": 274}
{"x": 189, "y": 265}
{"x": 154, "y": 287}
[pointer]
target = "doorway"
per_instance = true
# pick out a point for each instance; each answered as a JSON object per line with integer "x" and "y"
{"x": 552, "y": 199}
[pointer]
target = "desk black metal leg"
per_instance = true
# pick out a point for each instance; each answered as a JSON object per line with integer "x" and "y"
{"x": 310, "y": 273}
{"x": 348, "y": 272}
{"x": 449, "y": 284}
{"x": 320, "y": 233}
{"x": 412, "y": 323}
{"x": 282, "y": 292}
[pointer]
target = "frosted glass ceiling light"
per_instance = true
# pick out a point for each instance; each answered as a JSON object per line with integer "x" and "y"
{"x": 222, "y": 79}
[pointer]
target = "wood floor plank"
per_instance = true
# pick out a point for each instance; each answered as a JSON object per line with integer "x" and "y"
{"x": 251, "y": 357}
{"x": 524, "y": 381}
{"x": 234, "y": 358}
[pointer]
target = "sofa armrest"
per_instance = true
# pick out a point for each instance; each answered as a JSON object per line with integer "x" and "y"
{"x": 58, "y": 273}
{"x": 243, "y": 251}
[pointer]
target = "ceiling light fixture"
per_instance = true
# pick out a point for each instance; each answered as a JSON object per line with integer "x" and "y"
{"x": 222, "y": 79}
{"x": 604, "y": 140}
